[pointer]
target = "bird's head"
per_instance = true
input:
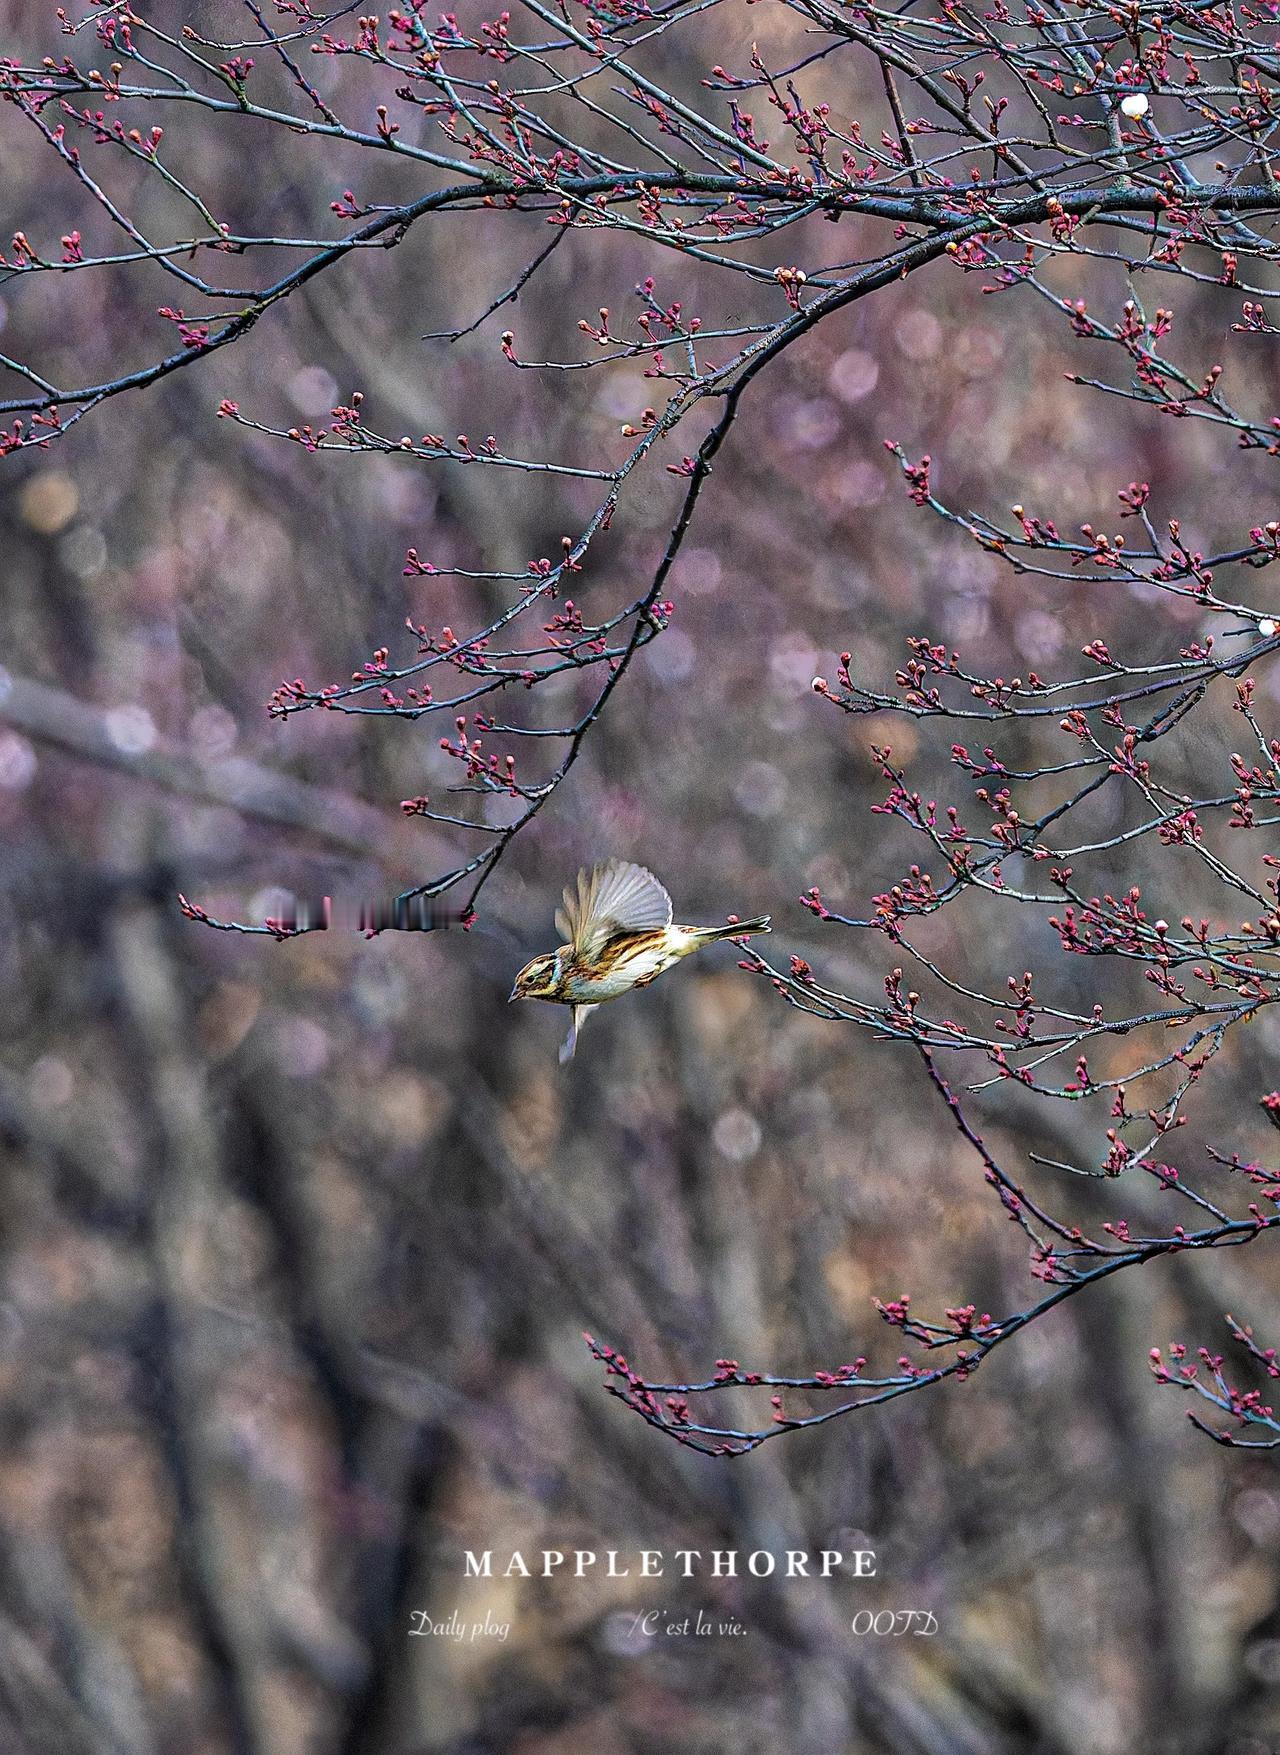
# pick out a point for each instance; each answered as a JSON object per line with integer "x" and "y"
{"x": 538, "y": 979}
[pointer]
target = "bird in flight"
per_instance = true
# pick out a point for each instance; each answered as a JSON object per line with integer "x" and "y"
{"x": 617, "y": 921}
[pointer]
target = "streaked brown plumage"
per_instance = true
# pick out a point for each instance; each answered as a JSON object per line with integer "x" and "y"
{"x": 617, "y": 922}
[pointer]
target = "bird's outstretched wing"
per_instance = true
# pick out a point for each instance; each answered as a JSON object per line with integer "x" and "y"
{"x": 609, "y": 900}
{"x": 569, "y": 1046}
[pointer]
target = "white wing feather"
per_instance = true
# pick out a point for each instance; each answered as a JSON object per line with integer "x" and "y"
{"x": 608, "y": 900}
{"x": 580, "y": 1015}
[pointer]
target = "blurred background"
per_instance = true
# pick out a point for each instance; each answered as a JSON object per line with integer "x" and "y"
{"x": 299, "y": 1240}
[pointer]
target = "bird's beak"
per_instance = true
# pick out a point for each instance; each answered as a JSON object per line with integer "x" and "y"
{"x": 514, "y": 995}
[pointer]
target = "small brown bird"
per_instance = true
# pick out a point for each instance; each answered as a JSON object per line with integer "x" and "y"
{"x": 617, "y": 919}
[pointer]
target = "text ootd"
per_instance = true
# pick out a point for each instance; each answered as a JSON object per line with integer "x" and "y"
{"x": 680, "y": 1562}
